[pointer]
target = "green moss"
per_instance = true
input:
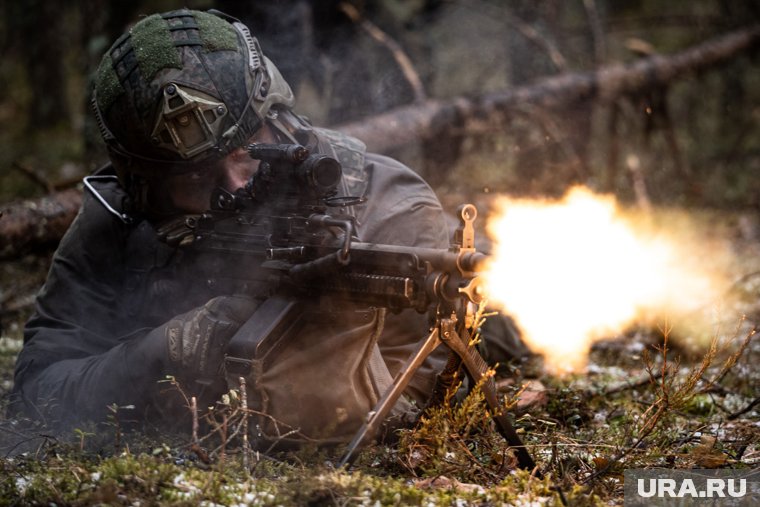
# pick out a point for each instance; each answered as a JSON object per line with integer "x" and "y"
{"x": 216, "y": 33}
{"x": 108, "y": 87}
{"x": 154, "y": 47}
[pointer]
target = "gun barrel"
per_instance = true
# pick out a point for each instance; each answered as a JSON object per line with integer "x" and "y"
{"x": 444, "y": 260}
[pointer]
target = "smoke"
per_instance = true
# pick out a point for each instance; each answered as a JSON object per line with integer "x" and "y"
{"x": 579, "y": 269}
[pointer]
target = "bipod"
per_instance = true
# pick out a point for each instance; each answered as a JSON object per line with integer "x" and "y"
{"x": 458, "y": 343}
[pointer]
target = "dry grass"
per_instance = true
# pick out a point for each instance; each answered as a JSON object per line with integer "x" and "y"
{"x": 592, "y": 428}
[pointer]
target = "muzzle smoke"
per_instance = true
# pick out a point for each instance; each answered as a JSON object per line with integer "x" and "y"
{"x": 580, "y": 269}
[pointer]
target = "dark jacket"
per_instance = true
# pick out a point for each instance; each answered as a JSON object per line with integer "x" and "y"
{"x": 92, "y": 340}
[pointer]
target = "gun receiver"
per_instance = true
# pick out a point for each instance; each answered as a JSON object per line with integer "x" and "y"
{"x": 288, "y": 231}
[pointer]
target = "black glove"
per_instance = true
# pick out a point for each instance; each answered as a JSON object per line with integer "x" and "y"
{"x": 197, "y": 339}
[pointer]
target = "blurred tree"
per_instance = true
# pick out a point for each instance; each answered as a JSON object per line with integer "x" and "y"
{"x": 102, "y": 22}
{"x": 35, "y": 35}
{"x": 316, "y": 44}
{"x": 342, "y": 73}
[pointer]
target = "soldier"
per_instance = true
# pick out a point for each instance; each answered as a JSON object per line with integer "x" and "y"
{"x": 177, "y": 98}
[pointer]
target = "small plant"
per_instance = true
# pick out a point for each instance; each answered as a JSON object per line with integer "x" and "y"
{"x": 115, "y": 421}
{"x": 457, "y": 440}
{"x": 82, "y": 435}
{"x": 226, "y": 425}
{"x": 675, "y": 391}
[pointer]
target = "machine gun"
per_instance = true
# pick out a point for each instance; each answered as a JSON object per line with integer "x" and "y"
{"x": 290, "y": 230}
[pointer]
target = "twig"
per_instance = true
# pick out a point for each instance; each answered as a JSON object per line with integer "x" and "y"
{"x": 114, "y": 409}
{"x": 244, "y": 406}
{"x": 632, "y": 385}
{"x": 294, "y": 431}
{"x": 580, "y": 445}
{"x": 527, "y": 31}
{"x": 744, "y": 278}
{"x": 639, "y": 185}
{"x": 687, "y": 438}
{"x": 597, "y": 34}
{"x": 223, "y": 437}
{"x": 536, "y": 38}
{"x": 648, "y": 428}
{"x": 731, "y": 361}
{"x": 403, "y": 61}
{"x": 659, "y": 407}
{"x": 743, "y": 411}
{"x": 194, "y": 413}
{"x": 229, "y": 436}
{"x": 45, "y": 438}
{"x": 35, "y": 177}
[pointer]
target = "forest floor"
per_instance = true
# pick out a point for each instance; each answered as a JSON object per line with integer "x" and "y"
{"x": 643, "y": 402}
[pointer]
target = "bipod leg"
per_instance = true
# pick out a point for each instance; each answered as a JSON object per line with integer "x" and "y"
{"x": 445, "y": 380}
{"x": 385, "y": 404}
{"x": 477, "y": 368}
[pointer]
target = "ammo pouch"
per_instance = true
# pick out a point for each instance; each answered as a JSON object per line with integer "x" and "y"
{"x": 311, "y": 375}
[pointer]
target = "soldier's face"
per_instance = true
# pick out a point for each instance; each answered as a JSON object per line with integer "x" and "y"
{"x": 191, "y": 192}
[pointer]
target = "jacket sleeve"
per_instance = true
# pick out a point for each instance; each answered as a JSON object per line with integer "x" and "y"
{"x": 79, "y": 356}
{"x": 402, "y": 209}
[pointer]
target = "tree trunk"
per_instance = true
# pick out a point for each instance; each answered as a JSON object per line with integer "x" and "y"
{"x": 36, "y": 223}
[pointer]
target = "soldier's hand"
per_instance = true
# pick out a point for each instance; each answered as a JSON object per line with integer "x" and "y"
{"x": 197, "y": 339}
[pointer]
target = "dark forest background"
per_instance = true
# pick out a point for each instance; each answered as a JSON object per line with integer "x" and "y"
{"x": 695, "y": 141}
{"x": 484, "y": 85}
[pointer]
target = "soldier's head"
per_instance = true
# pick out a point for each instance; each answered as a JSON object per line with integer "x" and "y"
{"x": 177, "y": 98}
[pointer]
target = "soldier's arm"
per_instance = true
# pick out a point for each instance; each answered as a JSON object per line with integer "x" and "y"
{"x": 402, "y": 209}
{"x": 78, "y": 355}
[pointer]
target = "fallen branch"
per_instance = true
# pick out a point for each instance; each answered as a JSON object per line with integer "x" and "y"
{"x": 36, "y": 223}
{"x": 407, "y": 125}
{"x": 743, "y": 411}
{"x": 625, "y": 386}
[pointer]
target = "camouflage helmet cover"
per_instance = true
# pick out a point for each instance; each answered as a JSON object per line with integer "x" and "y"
{"x": 183, "y": 87}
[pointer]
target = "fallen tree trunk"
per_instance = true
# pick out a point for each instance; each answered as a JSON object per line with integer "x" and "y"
{"x": 410, "y": 124}
{"x": 37, "y": 223}
{"x": 32, "y": 224}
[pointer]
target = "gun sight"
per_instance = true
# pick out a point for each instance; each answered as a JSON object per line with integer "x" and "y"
{"x": 292, "y": 169}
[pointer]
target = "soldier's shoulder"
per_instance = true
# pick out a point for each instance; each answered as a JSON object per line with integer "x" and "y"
{"x": 104, "y": 197}
{"x": 351, "y": 153}
{"x": 102, "y": 215}
{"x": 389, "y": 172}
{"x": 341, "y": 140}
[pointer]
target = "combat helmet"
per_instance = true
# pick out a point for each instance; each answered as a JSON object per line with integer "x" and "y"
{"x": 182, "y": 88}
